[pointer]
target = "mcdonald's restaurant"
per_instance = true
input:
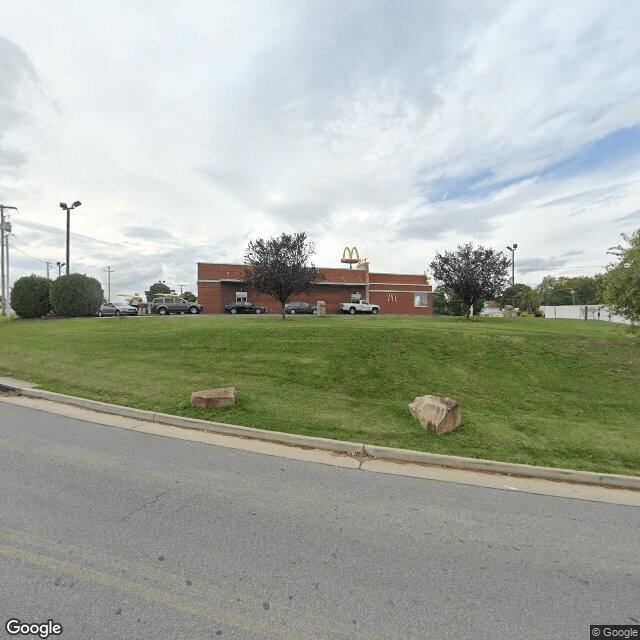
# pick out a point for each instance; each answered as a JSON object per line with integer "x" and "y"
{"x": 395, "y": 293}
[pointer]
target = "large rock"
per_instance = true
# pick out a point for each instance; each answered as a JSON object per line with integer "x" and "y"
{"x": 225, "y": 397}
{"x": 435, "y": 413}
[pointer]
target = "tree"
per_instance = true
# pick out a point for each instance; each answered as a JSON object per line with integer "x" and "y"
{"x": 622, "y": 279}
{"x": 30, "y": 296}
{"x": 75, "y": 295}
{"x": 155, "y": 289}
{"x": 472, "y": 273}
{"x": 188, "y": 296}
{"x": 278, "y": 267}
{"x": 447, "y": 302}
{"x": 521, "y": 296}
{"x": 563, "y": 290}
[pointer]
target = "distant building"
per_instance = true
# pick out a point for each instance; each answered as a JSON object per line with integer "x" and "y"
{"x": 395, "y": 293}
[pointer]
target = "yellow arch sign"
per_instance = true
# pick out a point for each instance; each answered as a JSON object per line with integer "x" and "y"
{"x": 350, "y": 256}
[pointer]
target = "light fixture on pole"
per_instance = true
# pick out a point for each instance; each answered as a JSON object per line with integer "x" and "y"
{"x": 60, "y": 265}
{"x": 63, "y": 205}
{"x": 513, "y": 263}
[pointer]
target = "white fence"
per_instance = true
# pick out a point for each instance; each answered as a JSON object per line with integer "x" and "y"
{"x": 583, "y": 312}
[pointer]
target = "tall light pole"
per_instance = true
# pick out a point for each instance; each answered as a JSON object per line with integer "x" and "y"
{"x": 109, "y": 271}
{"x": 4, "y": 226}
{"x": 60, "y": 265}
{"x": 513, "y": 263}
{"x": 63, "y": 205}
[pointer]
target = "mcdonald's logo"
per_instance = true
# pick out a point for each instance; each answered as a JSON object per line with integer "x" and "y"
{"x": 350, "y": 256}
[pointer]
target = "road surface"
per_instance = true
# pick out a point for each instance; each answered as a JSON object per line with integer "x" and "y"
{"x": 113, "y": 534}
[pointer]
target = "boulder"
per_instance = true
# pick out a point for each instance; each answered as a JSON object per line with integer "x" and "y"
{"x": 435, "y": 413}
{"x": 225, "y": 397}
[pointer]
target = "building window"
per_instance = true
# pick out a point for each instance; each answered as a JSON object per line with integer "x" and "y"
{"x": 420, "y": 299}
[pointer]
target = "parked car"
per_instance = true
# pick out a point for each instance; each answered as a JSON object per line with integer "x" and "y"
{"x": 117, "y": 309}
{"x": 300, "y": 307}
{"x": 164, "y": 306}
{"x": 243, "y": 306}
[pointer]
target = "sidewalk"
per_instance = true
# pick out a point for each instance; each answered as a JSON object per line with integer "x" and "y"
{"x": 617, "y": 489}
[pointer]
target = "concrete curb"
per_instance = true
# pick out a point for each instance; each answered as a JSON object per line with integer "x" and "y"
{"x": 337, "y": 446}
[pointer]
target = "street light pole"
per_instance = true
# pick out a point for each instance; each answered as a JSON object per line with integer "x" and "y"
{"x": 63, "y": 205}
{"x": 513, "y": 263}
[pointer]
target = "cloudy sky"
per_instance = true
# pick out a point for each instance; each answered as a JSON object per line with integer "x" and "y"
{"x": 404, "y": 127}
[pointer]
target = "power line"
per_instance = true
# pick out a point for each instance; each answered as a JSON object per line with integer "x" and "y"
{"x": 13, "y": 246}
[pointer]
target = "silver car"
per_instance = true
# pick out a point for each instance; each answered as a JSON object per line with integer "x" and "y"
{"x": 117, "y": 309}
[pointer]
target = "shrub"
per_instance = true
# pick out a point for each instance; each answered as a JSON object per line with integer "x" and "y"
{"x": 75, "y": 295}
{"x": 30, "y": 296}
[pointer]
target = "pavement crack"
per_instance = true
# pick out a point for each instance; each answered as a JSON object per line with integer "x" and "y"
{"x": 145, "y": 505}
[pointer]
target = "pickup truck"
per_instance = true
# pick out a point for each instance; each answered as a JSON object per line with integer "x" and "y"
{"x": 358, "y": 306}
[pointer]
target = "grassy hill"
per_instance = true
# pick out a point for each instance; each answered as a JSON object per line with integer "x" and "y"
{"x": 558, "y": 393}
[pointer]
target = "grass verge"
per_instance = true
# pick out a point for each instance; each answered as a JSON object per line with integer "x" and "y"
{"x": 558, "y": 393}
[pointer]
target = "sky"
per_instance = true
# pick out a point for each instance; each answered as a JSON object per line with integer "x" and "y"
{"x": 402, "y": 127}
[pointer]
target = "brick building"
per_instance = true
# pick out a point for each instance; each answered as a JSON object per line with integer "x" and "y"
{"x": 395, "y": 293}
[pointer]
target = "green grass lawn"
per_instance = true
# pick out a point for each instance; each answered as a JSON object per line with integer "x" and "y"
{"x": 560, "y": 393}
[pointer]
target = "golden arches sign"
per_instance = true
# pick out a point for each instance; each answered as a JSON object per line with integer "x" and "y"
{"x": 350, "y": 256}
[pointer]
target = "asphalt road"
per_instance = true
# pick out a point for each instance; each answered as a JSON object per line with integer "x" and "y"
{"x": 114, "y": 533}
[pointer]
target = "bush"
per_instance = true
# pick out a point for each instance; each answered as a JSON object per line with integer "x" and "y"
{"x": 76, "y": 295}
{"x": 30, "y": 296}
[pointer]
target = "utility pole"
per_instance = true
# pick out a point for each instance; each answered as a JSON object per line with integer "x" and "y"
{"x": 109, "y": 271}
{"x": 513, "y": 263}
{"x": 48, "y": 263}
{"x": 7, "y": 258}
{"x": 4, "y": 227}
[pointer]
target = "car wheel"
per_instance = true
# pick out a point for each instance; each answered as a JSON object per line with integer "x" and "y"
{"x": 233, "y": 311}
{"x": 100, "y": 314}
{"x": 352, "y": 310}
{"x": 258, "y": 312}
{"x": 292, "y": 312}
{"x": 162, "y": 311}
{"x": 117, "y": 313}
{"x": 374, "y": 311}
{"x": 193, "y": 309}
{"x": 315, "y": 312}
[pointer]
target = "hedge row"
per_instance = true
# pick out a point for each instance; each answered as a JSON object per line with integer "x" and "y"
{"x": 70, "y": 296}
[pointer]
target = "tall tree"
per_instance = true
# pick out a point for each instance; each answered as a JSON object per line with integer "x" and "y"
{"x": 563, "y": 290}
{"x": 278, "y": 267}
{"x": 622, "y": 279}
{"x": 472, "y": 273}
{"x": 155, "y": 289}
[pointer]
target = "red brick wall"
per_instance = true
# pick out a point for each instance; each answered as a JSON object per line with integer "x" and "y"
{"x": 218, "y": 283}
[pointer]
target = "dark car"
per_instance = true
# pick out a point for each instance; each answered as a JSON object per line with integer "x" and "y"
{"x": 244, "y": 306}
{"x": 117, "y": 309}
{"x": 165, "y": 306}
{"x": 300, "y": 307}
